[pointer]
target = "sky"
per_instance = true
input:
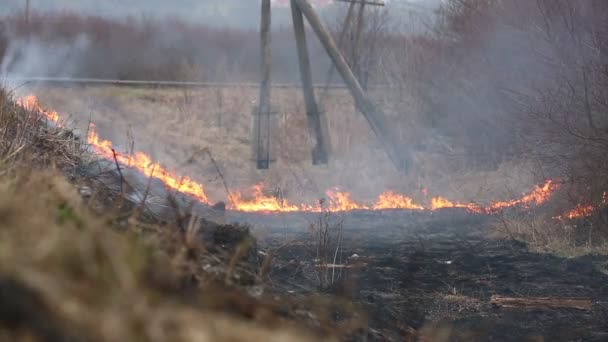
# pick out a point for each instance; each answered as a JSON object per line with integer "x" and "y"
{"x": 234, "y": 13}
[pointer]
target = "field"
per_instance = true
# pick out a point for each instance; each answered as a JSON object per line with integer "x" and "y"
{"x": 393, "y": 274}
{"x": 174, "y": 125}
{"x": 136, "y": 213}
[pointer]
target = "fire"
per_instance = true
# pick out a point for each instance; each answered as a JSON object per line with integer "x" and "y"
{"x": 341, "y": 201}
{"x": 438, "y": 203}
{"x": 30, "y": 103}
{"x": 144, "y": 164}
{"x": 538, "y": 196}
{"x": 258, "y": 201}
{"x": 581, "y": 211}
{"x": 391, "y": 200}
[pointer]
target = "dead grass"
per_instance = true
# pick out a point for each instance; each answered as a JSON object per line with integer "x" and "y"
{"x": 174, "y": 125}
{"x": 67, "y": 274}
{"x": 544, "y": 234}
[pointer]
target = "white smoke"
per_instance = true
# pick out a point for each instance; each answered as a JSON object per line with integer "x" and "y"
{"x": 27, "y": 57}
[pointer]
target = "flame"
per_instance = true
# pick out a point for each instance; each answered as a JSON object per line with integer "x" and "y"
{"x": 538, "y": 196}
{"x": 391, "y": 200}
{"x": 258, "y": 201}
{"x": 341, "y": 201}
{"x": 581, "y": 211}
{"x": 30, "y": 103}
{"x": 438, "y": 203}
{"x": 144, "y": 164}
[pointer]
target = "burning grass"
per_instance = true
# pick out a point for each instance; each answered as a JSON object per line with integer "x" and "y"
{"x": 67, "y": 274}
{"x": 259, "y": 198}
{"x": 172, "y": 125}
{"x": 337, "y": 200}
{"x": 92, "y": 281}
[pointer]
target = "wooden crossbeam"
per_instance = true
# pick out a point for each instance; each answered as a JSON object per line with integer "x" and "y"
{"x": 332, "y": 67}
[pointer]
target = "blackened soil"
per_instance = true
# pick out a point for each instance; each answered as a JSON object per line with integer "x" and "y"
{"x": 430, "y": 277}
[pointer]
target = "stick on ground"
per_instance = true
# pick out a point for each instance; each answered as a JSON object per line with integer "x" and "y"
{"x": 542, "y": 302}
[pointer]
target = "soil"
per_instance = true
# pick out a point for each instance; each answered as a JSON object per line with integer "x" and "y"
{"x": 430, "y": 276}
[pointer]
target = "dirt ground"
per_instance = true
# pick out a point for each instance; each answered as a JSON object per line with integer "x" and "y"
{"x": 430, "y": 277}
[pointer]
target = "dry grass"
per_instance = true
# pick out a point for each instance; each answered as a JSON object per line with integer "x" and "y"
{"x": 86, "y": 282}
{"x": 544, "y": 234}
{"x": 67, "y": 274}
{"x": 174, "y": 125}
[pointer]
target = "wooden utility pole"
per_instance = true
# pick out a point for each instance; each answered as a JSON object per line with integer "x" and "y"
{"x": 356, "y": 62}
{"x": 332, "y": 68}
{"x": 27, "y": 13}
{"x": 317, "y": 122}
{"x": 262, "y": 121}
{"x": 373, "y": 114}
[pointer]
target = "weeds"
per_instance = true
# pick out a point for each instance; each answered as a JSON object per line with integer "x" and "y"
{"x": 327, "y": 236}
{"x": 546, "y": 234}
{"x": 67, "y": 273}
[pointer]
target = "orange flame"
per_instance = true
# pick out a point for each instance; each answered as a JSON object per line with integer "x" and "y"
{"x": 341, "y": 201}
{"x": 391, "y": 200}
{"x": 260, "y": 202}
{"x": 30, "y": 103}
{"x": 438, "y": 203}
{"x": 144, "y": 164}
{"x": 538, "y": 196}
{"x": 581, "y": 211}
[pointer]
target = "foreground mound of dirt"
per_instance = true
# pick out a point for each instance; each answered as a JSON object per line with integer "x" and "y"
{"x": 80, "y": 263}
{"x": 65, "y": 275}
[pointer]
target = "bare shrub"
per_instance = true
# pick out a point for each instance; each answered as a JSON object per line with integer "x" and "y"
{"x": 497, "y": 81}
{"x": 545, "y": 234}
{"x": 327, "y": 236}
{"x": 565, "y": 125}
{"x": 142, "y": 49}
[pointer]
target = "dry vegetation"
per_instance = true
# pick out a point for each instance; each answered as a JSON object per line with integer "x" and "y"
{"x": 75, "y": 269}
{"x": 497, "y": 97}
{"x": 141, "y": 48}
{"x": 174, "y": 125}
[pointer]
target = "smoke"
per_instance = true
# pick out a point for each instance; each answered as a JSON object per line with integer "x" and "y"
{"x": 74, "y": 45}
{"x": 34, "y": 57}
{"x": 216, "y": 13}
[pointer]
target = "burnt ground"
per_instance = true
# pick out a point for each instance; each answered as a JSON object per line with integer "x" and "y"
{"x": 425, "y": 276}
{"x": 429, "y": 276}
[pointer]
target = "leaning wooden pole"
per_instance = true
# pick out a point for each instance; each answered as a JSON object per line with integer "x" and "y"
{"x": 355, "y": 62}
{"x": 332, "y": 67}
{"x": 317, "y": 122}
{"x": 27, "y": 14}
{"x": 262, "y": 116}
{"x": 374, "y": 115}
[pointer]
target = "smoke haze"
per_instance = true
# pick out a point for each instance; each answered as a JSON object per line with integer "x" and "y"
{"x": 219, "y": 13}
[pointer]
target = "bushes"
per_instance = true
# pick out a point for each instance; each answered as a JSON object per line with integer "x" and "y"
{"x": 143, "y": 49}
{"x": 528, "y": 80}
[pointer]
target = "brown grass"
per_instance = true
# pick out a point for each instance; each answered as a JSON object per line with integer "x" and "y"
{"x": 172, "y": 125}
{"x": 545, "y": 234}
{"x": 67, "y": 274}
